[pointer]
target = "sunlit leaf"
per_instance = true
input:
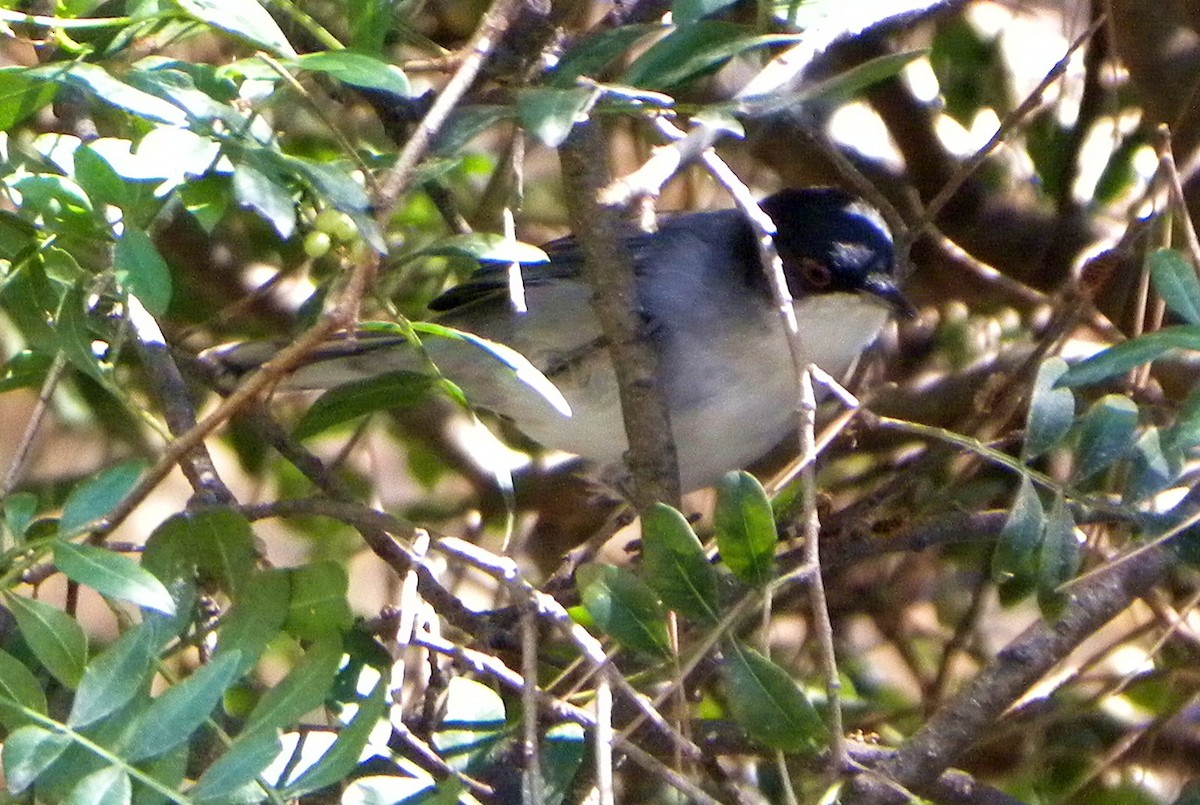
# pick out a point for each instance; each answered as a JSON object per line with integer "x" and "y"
{"x": 1051, "y": 410}
{"x": 1175, "y": 280}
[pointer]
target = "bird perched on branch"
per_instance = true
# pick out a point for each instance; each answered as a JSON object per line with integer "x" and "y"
{"x": 724, "y": 363}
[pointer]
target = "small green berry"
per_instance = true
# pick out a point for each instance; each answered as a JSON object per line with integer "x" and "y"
{"x": 317, "y": 244}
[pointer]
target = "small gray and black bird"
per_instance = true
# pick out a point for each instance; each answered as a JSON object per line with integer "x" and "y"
{"x": 723, "y": 359}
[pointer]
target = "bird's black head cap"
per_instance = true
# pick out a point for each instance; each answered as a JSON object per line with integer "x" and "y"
{"x": 830, "y": 241}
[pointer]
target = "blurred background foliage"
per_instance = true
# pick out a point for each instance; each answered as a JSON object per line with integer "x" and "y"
{"x": 312, "y": 599}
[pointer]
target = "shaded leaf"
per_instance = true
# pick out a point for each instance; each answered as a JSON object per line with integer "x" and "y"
{"x": 341, "y": 758}
{"x": 549, "y": 113}
{"x": 359, "y": 398}
{"x": 767, "y": 703}
{"x": 675, "y": 566}
{"x": 357, "y": 69}
{"x": 1016, "y": 552}
{"x": 1051, "y": 410}
{"x": 624, "y": 606}
{"x": 21, "y": 95}
{"x": 690, "y": 50}
{"x": 1175, "y": 281}
{"x": 596, "y": 51}
{"x": 28, "y": 752}
{"x": 95, "y": 497}
{"x": 1060, "y": 558}
{"x": 1106, "y": 432}
{"x": 685, "y": 11}
{"x": 1131, "y": 354}
{"x": 215, "y": 541}
{"x": 54, "y": 637}
{"x": 113, "y": 575}
{"x": 174, "y": 717}
{"x": 244, "y": 761}
{"x": 485, "y": 246}
{"x": 114, "y": 677}
{"x": 562, "y": 752}
{"x": 19, "y": 689}
{"x": 318, "y": 600}
{"x": 745, "y": 528}
{"x": 302, "y": 690}
{"x": 1151, "y": 469}
{"x": 107, "y": 786}
{"x": 256, "y": 618}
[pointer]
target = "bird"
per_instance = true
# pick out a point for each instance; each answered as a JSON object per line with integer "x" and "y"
{"x": 724, "y": 364}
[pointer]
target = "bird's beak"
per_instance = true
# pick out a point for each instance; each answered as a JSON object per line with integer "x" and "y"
{"x": 884, "y": 287}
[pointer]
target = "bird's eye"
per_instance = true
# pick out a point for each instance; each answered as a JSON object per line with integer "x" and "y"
{"x": 816, "y": 274}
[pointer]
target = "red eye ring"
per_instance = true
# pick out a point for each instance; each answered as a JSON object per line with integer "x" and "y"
{"x": 815, "y": 273}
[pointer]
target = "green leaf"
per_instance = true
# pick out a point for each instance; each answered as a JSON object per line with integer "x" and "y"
{"x": 28, "y": 752}
{"x": 685, "y": 11}
{"x": 549, "y": 113}
{"x": 485, "y": 246}
{"x": 767, "y": 703}
{"x": 256, "y": 618}
{"x": 54, "y": 637}
{"x": 1185, "y": 434}
{"x": 352, "y": 400}
{"x": 473, "y": 721}
{"x": 341, "y": 758}
{"x": 596, "y": 51}
{"x": 357, "y": 69}
{"x": 1175, "y": 281}
{"x": 206, "y": 199}
{"x": 25, "y": 370}
{"x": 1016, "y": 552}
{"x": 302, "y": 690}
{"x": 268, "y": 196}
{"x": 245, "y": 19}
{"x": 95, "y": 497}
{"x": 1131, "y": 354}
{"x": 835, "y": 90}
{"x": 19, "y": 690}
{"x": 745, "y": 527}
{"x": 19, "y": 511}
{"x": 624, "y": 606}
{"x": 107, "y": 786}
{"x": 514, "y": 361}
{"x": 98, "y": 82}
{"x": 562, "y": 753}
{"x": 1106, "y": 432}
{"x": 675, "y": 566}
{"x": 1060, "y": 558}
{"x": 215, "y": 541}
{"x": 691, "y": 50}
{"x": 114, "y": 677}
{"x": 60, "y": 202}
{"x": 141, "y": 270}
{"x": 21, "y": 96}
{"x": 241, "y": 764}
{"x": 174, "y": 717}
{"x": 318, "y": 602}
{"x": 1152, "y": 469}
{"x": 1051, "y": 410}
{"x": 113, "y": 575}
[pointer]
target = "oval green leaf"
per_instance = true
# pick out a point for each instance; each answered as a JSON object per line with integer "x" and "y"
{"x": 1106, "y": 433}
{"x": 1175, "y": 281}
{"x": 675, "y": 566}
{"x": 54, "y": 637}
{"x": 624, "y": 606}
{"x": 359, "y": 398}
{"x": 745, "y": 526}
{"x": 28, "y": 752}
{"x": 1131, "y": 354}
{"x": 113, "y": 575}
{"x": 1016, "y": 552}
{"x": 767, "y": 703}
{"x": 1051, "y": 410}
{"x": 95, "y": 497}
